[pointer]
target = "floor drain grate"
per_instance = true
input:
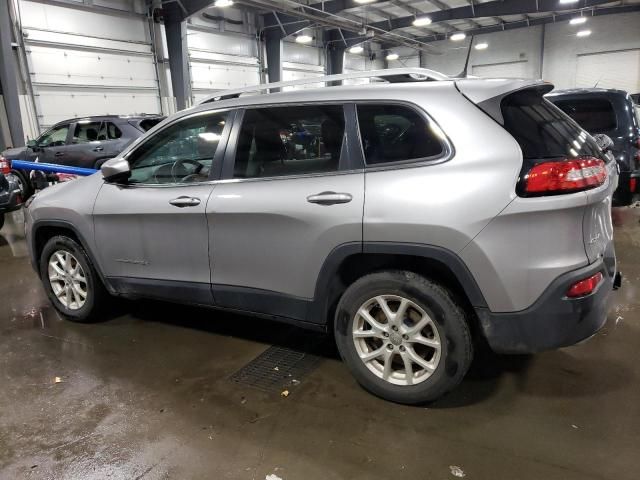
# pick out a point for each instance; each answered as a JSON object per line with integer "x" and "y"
{"x": 276, "y": 368}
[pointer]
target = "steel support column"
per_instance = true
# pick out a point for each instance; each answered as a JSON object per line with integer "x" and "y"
{"x": 335, "y": 61}
{"x": 273, "y": 46}
{"x": 176, "y": 33}
{"x": 8, "y": 69}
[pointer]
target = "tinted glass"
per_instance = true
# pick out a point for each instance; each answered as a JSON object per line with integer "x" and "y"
{"x": 86, "y": 132}
{"x": 149, "y": 123}
{"x": 544, "y": 131}
{"x": 180, "y": 153}
{"x": 283, "y": 141}
{"x": 595, "y": 115}
{"x": 393, "y": 133}
{"x": 56, "y": 137}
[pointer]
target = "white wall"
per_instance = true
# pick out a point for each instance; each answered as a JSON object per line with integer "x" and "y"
{"x": 520, "y": 52}
{"x": 302, "y": 61}
{"x": 610, "y": 33}
{"x": 87, "y": 63}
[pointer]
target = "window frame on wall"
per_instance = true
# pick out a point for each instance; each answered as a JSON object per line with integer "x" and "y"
{"x": 348, "y": 162}
{"x": 218, "y": 157}
{"x": 448, "y": 150}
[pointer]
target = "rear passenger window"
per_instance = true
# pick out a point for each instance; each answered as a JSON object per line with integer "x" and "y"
{"x": 109, "y": 131}
{"x": 394, "y": 133}
{"x": 281, "y": 141}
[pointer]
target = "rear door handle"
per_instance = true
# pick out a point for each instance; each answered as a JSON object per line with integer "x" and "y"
{"x": 329, "y": 198}
{"x": 59, "y": 154}
{"x": 182, "y": 202}
{"x": 98, "y": 149}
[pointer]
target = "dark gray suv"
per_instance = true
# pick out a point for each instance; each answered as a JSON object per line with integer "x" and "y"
{"x": 81, "y": 142}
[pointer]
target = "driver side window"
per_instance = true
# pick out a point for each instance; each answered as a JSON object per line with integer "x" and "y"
{"x": 56, "y": 137}
{"x": 181, "y": 153}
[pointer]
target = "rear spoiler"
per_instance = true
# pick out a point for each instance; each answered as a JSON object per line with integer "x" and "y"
{"x": 488, "y": 94}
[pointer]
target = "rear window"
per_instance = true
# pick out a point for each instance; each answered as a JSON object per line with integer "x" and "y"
{"x": 148, "y": 124}
{"x": 595, "y": 115}
{"x": 542, "y": 130}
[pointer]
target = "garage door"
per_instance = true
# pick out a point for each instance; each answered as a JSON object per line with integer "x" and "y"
{"x": 501, "y": 70}
{"x": 610, "y": 70}
{"x": 88, "y": 63}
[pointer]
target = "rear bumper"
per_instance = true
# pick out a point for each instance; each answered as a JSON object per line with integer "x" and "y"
{"x": 554, "y": 320}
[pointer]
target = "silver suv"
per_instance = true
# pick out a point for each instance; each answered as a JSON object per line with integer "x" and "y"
{"x": 412, "y": 218}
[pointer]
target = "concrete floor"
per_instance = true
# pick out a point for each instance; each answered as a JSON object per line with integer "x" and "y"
{"x": 147, "y": 395}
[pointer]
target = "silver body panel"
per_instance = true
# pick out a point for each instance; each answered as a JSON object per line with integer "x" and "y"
{"x": 263, "y": 234}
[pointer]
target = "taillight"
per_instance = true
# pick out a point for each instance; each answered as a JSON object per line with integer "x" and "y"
{"x": 584, "y": 287}
{"x": 632, "y": 184}
{"x": 565, "y": 176}
{"x": 5, "y": 165}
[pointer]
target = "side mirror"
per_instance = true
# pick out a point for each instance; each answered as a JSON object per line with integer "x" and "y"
{"x": 32, "y": 144}
{"x": 604, "y": 142}
{"x": 115, "y": 170}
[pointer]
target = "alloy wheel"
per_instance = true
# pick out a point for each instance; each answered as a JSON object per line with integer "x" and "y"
{"x": 396, "y": 339}
{"x": 67, "y": 279}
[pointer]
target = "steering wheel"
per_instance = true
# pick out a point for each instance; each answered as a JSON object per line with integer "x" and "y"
{"x": 176, "y": 171}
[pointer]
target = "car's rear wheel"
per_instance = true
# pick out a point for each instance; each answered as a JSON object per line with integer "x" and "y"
{"x": 404, "y": 338}
{"x": 24, "y": 184}
{"x": 70, "y": 280}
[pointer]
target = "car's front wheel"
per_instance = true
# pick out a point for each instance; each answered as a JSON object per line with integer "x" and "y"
{"x": 404, "y": 338}
{"x": 70, "y": 280}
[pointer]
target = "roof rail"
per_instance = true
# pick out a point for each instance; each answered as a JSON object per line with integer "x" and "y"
{"x": 391, "y": 75}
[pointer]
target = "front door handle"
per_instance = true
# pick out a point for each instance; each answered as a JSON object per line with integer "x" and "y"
{"x": 182, "y": 202}
{"x": 98, "y": 149}
{"x": 59, "y": 154}
{"x": 329, "y": 198}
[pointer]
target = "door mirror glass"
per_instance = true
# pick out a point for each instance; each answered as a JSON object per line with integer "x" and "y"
{"x": 32, "y": 144}
{"x": 604, "y": 142}
{"x": 115, "y": 170}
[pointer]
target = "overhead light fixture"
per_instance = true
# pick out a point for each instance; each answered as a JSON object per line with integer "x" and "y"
{"x": 392, "y": 56}
{"x": 583, "y": 33}
{"x": 222, "y": 3}
{"x": 356, "y": 49}
{"x": 362, "y": 2}
{"x": 482, "y": 46}
{"x": 456, "y": 37}
{"x": 422, "y": 21}
{"x": 303, "y": 38}
{"x": 578, "y": 20}
{"x": 567, "y": 2}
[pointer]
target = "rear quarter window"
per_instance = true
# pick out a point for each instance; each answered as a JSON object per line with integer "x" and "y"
{"x": 544, "y": 131}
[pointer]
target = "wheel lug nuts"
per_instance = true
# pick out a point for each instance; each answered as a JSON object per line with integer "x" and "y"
{"x": 394, "y": 328}
{"x": 405, "y": 337}
{"x": 390, "y": 347}
{"x": 385, "y": 334}
{"x": 402, "y": 348}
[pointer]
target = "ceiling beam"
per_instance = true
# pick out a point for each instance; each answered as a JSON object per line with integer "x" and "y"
{"x": 558, "y": 17}
{"x": 494, "y": 8}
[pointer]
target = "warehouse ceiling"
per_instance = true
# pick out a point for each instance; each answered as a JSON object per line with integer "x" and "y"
{"x": 392, "y": 22}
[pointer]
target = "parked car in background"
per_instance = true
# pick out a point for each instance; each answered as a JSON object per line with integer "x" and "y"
{"x": 480, "y": 222}
{"x": 613, "y": 113}
{"x": 10, "y": 193}
{"x": 80, "y": 142}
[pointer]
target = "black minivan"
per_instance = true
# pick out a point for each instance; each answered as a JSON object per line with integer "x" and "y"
{"x": 613, "y": 113}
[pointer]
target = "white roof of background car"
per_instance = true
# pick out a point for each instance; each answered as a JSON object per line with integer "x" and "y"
{"x": 391, "y": 75}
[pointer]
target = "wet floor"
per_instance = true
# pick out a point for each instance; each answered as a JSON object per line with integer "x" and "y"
{"x": 148, "y": 395}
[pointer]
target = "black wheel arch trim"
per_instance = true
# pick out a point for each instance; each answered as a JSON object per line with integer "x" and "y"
{"x": 38, "y": 224}
{"x": 320, "y": 308}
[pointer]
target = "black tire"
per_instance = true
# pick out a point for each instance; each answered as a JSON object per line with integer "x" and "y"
{"x": 97, "y": 295}
{"x": 448, "y": 317}
{"x": 26, "y": 187}
{"x": 1, "y": 220}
